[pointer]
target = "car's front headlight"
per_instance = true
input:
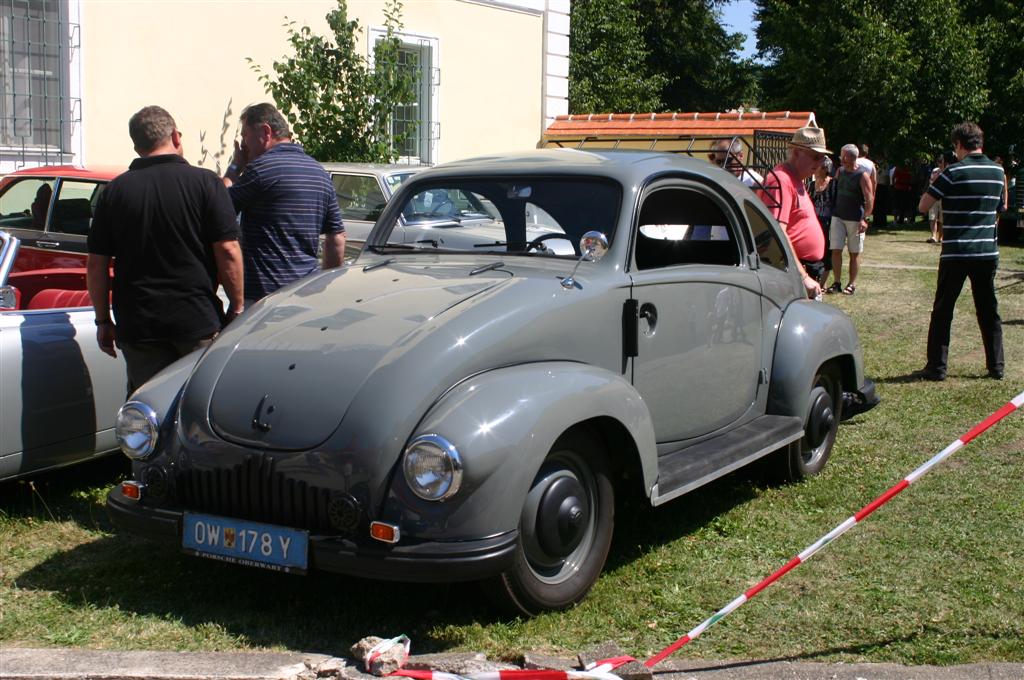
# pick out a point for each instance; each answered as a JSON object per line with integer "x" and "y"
{"x": 433, "y": 467}
{"x": 136, "y": 430}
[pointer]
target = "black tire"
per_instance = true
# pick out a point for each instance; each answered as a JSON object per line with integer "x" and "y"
{"x": 808, "y": 456}
{"x": 565, "y": 530}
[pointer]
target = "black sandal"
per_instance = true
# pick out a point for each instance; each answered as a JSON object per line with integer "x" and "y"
{"x": 850, "y": 289}
{"x": 834, "y": 288}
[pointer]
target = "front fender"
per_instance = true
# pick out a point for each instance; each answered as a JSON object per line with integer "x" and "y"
{"x": 810, "y": 335}
{"x": 503, "y": 423}
{"x": 161, "y": 391}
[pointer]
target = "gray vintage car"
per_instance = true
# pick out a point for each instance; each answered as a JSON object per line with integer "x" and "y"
{"x": 469, "y": 409}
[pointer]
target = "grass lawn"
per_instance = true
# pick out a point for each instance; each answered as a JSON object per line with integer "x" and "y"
{"x": 936, "y": 576}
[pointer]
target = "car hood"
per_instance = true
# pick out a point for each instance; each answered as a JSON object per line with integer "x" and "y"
{"x": 290, "y": 378}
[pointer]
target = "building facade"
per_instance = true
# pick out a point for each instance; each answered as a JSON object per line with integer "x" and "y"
{"x": 491, "y": 74}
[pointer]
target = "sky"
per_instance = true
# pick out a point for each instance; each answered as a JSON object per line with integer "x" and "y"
{"x": 738, "y": 17}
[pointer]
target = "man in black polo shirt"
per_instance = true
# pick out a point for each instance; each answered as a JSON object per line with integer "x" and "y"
{"x": 970, "y": 191}
{"x": 170, "y": 229}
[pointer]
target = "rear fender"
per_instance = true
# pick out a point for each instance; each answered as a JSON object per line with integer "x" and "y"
{"x": 503, "y": 423}
{"x": 811, "y": 335}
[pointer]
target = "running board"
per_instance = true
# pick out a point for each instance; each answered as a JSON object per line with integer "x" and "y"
{"x": 695, "y": 465}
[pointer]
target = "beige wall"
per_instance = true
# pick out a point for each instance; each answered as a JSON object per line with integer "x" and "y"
{"x": 190, "y": 58}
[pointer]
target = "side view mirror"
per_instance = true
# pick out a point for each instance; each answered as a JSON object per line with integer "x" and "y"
{"x": 593, "y": 247}
{"x": 8, "y": 297}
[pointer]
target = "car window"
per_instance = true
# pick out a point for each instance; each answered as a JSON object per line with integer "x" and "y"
{"x": 359, "y": 197}
{"x": 24, "y": 205}
{"x": 769, "y": 247}
{"x": 527, "y": 216}
{"x": 72, "y": 211}
{"x": 680, "y": 226}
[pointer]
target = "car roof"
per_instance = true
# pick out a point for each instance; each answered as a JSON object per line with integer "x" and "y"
{"x": 630, "y": 168}
{"x": 373, "y": 168}
{"x": 100, "y": 172}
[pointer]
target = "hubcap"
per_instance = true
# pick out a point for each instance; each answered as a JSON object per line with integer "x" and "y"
{"x": 821, "y": 421}
{"x": 562, "y": 517}
{"x": 559, "y": 518}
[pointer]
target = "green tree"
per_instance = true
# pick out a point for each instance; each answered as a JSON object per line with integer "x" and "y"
{"x": 699, "y": 61}
{"x": 896, "y": 73}
{"x": 340, "y": 105}
{"x": 608, "y": 68}
{"x": 1001, "y": 36}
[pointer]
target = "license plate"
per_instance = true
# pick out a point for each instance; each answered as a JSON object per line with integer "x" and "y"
{"x": 249, "y": 543}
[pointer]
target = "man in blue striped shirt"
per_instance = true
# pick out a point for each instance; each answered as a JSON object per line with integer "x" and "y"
{"x": 287, "y": 201}
{"x": 970, "y": 191}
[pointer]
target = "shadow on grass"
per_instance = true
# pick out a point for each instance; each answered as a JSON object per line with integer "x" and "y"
{"x": 640, "y": 528}
{"x": 858, "y": 649}
{"x": 69, "y": 493}
{"x": 917, "y": 377}
{"x": 323, "y": 613}
{"x": 320, "y": 612}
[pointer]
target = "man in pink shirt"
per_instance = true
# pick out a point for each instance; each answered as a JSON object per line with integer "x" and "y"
{"x": 786, "y": 196}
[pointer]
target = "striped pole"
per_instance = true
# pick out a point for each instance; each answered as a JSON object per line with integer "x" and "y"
{"x": 1004, "y": 411}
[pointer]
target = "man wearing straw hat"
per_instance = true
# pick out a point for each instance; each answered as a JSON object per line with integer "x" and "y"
{"x": 786, "y": 196}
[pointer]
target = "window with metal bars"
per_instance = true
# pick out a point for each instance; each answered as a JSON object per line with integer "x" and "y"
{"x": 406, "y": 120}
{"x": 34, "y": 101}
{"x": 413, "y": 123}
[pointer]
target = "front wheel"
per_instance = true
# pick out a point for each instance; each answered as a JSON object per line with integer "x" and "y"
{"x": 565, "y": 530}
{"x": 808, "y": 456}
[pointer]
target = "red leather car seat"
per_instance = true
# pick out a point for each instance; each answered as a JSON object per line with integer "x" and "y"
{"x": 55, "y": 298}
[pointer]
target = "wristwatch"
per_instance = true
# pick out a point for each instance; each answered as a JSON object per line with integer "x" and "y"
{"x": 104, "y": 322}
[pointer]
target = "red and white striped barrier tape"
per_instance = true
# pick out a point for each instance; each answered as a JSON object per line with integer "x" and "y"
{"x": 600, "y": 672}
{"x": 862, "y": 514}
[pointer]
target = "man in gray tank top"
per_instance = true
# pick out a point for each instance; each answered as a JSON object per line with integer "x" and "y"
{"x": 855, "y": 198}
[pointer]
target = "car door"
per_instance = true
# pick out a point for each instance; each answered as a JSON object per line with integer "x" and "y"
{"x": 67, "y": 229}
{"x": 699, "y": 363}
{"x": 59, "y": 394}
{"x": 25, "y": 204}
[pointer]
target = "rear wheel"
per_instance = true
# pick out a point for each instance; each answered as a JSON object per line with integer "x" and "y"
{"x": 808, "y": 456}
{"x": 565, "y": 530}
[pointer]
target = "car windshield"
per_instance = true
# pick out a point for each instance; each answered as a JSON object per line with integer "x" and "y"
{"x": 395, "y": 179}
{"x": 523, "y": 216}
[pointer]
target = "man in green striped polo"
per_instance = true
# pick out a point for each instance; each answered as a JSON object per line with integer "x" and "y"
{"x": 971, "y": 191}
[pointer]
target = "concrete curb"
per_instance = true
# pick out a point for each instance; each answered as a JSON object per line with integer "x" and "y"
{"x": 84, "y": 664}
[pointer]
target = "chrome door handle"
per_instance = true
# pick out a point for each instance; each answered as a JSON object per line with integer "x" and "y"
{"x": 48, "y": 244}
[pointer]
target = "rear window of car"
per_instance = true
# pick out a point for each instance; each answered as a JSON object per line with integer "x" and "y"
{"x": 359, "y": 197}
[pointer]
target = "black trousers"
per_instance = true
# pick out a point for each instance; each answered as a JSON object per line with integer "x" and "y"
{"x": 952, "y": 274}
{"x": 146, "y": 358}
